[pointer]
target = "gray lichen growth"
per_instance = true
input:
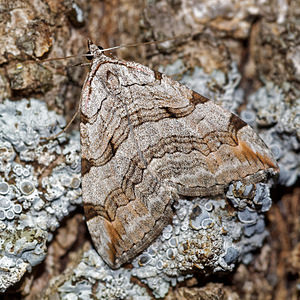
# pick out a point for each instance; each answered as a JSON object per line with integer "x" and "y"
{"x": 39, "y": 184}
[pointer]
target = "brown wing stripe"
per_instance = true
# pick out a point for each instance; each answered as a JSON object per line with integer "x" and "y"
{"x": 197, "y": 98}
{"x": 237, "y": 122}
{"x": 91, "y": 211}
{"x": 85, "y": 166}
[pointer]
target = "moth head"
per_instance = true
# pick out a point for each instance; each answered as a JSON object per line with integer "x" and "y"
{"x": 94, "y": 50}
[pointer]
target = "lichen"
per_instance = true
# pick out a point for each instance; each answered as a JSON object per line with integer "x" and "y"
{"x": 39, "y": 184}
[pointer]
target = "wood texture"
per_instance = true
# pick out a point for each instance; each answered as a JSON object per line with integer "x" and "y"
{"x": 146, "y": 140}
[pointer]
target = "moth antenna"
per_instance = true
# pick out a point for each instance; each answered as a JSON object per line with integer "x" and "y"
{"x": 111, "y": 48}
{"x": 142, "y": 43}
{"x": 80, "y": 65}
{"x": 59, "y": 58}
{"x": 102, "y": 50}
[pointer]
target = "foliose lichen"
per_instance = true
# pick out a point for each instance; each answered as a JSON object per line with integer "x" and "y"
{"x": 39, "y": 184}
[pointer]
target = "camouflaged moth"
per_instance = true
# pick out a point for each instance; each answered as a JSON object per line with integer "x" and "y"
{"x": 147, "y": 140}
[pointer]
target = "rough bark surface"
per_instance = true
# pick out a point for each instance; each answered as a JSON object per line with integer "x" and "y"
{"x": 264, "y": 39}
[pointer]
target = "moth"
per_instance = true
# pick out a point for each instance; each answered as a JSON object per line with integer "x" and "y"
{"x": 147, "y": 140}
